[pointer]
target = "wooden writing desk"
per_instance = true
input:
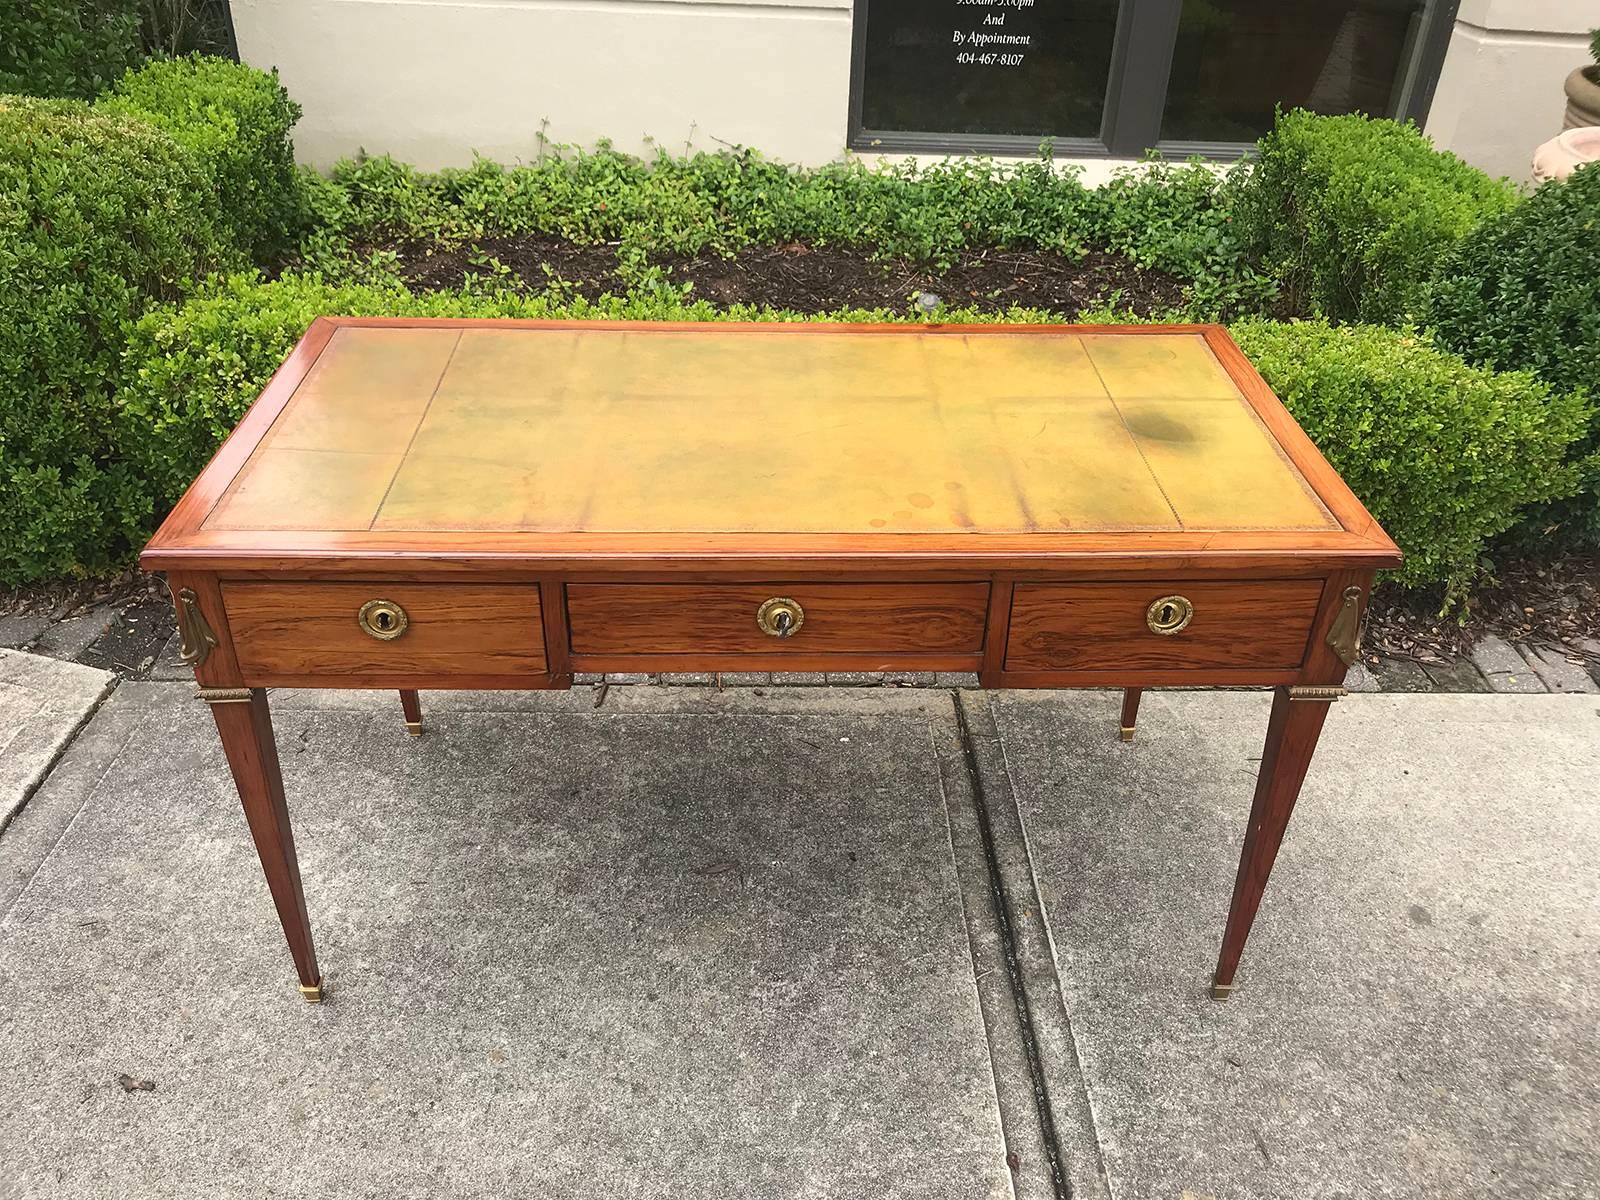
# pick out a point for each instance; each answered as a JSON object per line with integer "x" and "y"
{"x": 478, "y": 504}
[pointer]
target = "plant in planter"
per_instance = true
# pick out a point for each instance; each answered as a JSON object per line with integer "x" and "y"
{"x": 1583, "y": 90}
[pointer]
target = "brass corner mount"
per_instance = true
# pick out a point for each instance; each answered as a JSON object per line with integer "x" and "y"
{"x": 1344, "y": 635}
{"x": 195, "y": 639}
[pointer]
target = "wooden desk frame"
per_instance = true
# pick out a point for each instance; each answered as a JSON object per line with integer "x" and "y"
{"x": 1304, "y": 588}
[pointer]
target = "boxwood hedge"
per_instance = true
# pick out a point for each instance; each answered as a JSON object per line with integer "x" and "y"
{"x": 100, "y": 215}
{"x": 234, "y": 121}
{"x": 1523, "y": 292}
{"x": 1445, "y": 454}
{"x": 183, "y": 171}
{"x": 1351, "y": 215}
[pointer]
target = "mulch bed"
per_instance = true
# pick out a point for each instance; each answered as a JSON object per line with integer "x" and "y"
{"x": 62, "y": 598}
{"x": 1547, "y": 603}
{"x": 807, "y": 278}
{"x": 819, "y": 279}
{"x": 534, "y": 263}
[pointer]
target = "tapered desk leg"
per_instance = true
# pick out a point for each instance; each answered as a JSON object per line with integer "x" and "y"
{"x": 412, "y": 707}
{"x": 246, "y": 728}
{"x": 1292, "y": 732}
{"x": 1130, "y": 712}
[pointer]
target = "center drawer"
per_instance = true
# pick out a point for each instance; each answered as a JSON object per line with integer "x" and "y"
{"x": 716, "y": 620}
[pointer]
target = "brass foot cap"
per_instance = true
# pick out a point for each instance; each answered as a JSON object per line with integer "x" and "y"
{"x": 414, "y": 728}
{"x": 1126, "y": 733}
{"x": 313, "y": 992}
{"x": 1221, "y": 991}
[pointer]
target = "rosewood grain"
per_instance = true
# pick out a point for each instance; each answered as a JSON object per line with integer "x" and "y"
{"x": 287, "y": 632}
{"x": 245, "y": 726}
{"x": 1292, "y": 733}
{"x": 411, "y": 706}
{"x": 1130, "y": 712}
{"x": 1237, "y": 624}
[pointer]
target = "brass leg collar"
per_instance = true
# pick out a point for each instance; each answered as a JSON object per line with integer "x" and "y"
{"x": 1326, "y": 694}
{"x": 1221, "y": 991}
{"x": 313, "y": 992}
{"x": 1126, "y": 733}
{"x": 414, "y": 728}
{"x": 224, "y": 695}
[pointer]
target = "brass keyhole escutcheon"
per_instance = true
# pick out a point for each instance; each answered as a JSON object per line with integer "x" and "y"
{"x": 382, "y": 619}
{"x": 780, "y": 617}
{"x": 1169, "y": 615}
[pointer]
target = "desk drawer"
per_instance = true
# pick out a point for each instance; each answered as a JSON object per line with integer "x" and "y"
{"x": 1103, "y": 626}
{"x": 296, "y": 630}
{"x": 718, "y": 619}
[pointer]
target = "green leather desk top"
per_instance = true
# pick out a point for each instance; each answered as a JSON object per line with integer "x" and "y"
{"x": 708, "y": 431}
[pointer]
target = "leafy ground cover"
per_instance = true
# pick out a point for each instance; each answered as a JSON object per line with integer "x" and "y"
{"x": 734, "y": 228}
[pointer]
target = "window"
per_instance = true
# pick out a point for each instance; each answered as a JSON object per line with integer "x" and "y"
{"x": 1123, "y": 76}
{"x": 1014, "y": 67}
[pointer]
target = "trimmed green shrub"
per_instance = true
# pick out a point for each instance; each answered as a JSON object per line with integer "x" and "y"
{"x": 1351, "y": 215}
{"x": 66, "y": 48}
{"x": 100, "y": 214}
{"x": 1445, "y": 454}
{"x": 1523, "y": 289}
{"x": 1523, "y": 292}
{"x": 235, "y": 122}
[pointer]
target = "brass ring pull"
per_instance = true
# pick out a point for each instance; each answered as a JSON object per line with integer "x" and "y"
{"x": 780, "y": 617}
{"x": 1169, "y": 615}
{"x": 382, "y": 619}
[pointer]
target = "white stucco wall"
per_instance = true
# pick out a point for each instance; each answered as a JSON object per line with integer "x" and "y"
{"x": 1500, "y": 95}
{"x": 433, "y": 81}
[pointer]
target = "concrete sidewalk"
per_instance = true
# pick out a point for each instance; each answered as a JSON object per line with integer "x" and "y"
{"x": 43, "y": 702}
{"x": 806, "y": 942}
{"x": 1419, "y": 1004}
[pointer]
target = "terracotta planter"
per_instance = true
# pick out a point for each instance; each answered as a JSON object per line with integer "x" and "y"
{"x": 1583, "y": 98}
{"x": 1565, "y": 153}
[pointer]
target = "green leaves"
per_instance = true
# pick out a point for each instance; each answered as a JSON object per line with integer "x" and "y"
{"x": 104, "y": 211}
{"x": 1523, "y": 292}
{"x": 1445, "y": 454}
{"x": 234, "y": 121}
{"x": 1173, "y": 218}
{"x": 1351, "y": 215}
{"x": 66, "y": 47}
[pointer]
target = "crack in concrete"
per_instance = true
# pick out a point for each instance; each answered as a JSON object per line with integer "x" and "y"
{"x": 1019, "y": 989}
{"x": 29, "y": 791}
{"x": 24, "y": 882}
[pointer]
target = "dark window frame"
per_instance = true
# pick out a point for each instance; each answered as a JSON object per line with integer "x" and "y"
{"x": 1146, "y": 38}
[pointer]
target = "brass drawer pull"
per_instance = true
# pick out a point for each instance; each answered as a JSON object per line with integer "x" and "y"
{"x": 780, "y": 617}
{"x": 382, "y": 619}
{"x": 1169, "y": 615}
